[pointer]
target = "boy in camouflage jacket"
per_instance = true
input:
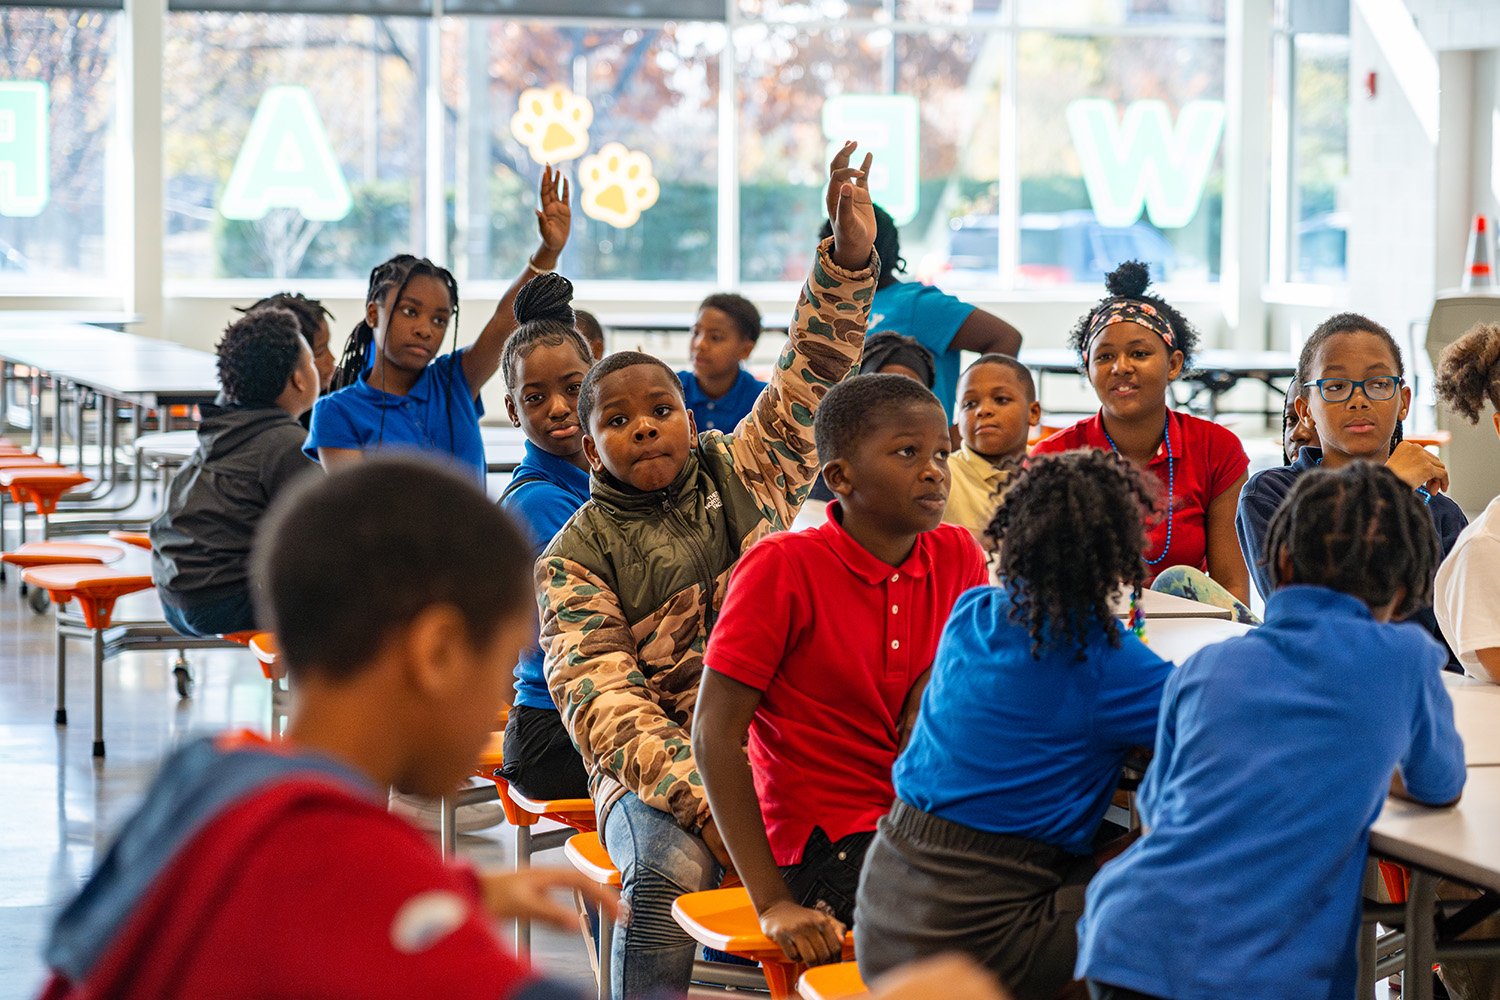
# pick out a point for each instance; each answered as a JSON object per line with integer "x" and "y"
{"x": 630, "y": 586}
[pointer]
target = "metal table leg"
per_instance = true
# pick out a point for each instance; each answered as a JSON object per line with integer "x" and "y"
{"x": 1421, "y": 936}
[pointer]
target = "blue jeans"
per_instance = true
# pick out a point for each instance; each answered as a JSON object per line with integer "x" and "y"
{"x": 234, "y": 613}
{"x": 658, "y": 861}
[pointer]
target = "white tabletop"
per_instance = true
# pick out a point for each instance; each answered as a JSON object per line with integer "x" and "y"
{"x": 504, "y": 447}
{"x": 1461, "y": 841}
{"x": 1176, "y": 639}
{"x": 1157, "y": 605}
{"x": 121, "y": 365}
{"x": 1476, "y": 713}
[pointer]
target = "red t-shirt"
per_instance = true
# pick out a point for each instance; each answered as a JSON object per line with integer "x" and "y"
{"x": 1208, "y": 459}
{"x": 835, "y": 639}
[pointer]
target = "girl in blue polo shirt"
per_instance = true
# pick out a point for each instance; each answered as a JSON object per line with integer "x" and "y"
{"x": 1273, "y": 758}
{"x": 1037, "y": 694}
{"x": 392, "y": 388}
{"x": 544, "y": 364}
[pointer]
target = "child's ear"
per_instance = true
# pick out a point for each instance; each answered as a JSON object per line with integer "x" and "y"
{"x": 510, "y": 410}
{"x": 1496, "y": 418}
{"x": 837, "y": 476}
{"x": 747, "y": 348}
{"x": 1034, "y": 417}
{"x": 591, "y": 452}
{"x": 1405, "y": 402}
{"x": 1175, "y": 362}
{"x": 1303, "y": 410}
{"x": 372, "y": 315}
{"x": 435, "y": 652}
{"x": 692, "y": 421}
{"x": 1283, "y": 568}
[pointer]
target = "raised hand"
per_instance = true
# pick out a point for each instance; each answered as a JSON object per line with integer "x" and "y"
{"x": 554, "y": 219}
{"x": 850, "y": 210}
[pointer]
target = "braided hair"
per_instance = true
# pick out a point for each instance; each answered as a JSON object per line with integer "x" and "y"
{"x": 395, "y": 274}
{"x": 1347, "y": 322}
{"x": 1468, "y": 372}
{"x": 545, "y": 317}
{"x": 1068, "y": 535}
{"x": 1130, "y": 281}
{"x": 1359, "y": 530}
{"x": 310, "y": 313}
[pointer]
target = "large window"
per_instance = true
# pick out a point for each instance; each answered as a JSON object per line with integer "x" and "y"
{"x": 294, "y": 145}
{"x": 57, "y": 121}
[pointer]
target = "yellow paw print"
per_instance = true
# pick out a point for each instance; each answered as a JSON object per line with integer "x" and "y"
{"x": 552, "y": 123}
{"x": 618, "y": 185}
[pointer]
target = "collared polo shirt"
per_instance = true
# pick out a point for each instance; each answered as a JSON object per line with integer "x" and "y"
{"x": 439, "y": 415}
{"x": 726, "y": 412}
{"x": 834, "y": 638}
{"x": 1207, "y": 460}
{"x": 972, "y": 498}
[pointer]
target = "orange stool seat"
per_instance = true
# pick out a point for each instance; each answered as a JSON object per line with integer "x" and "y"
{"x": 832, "y": 982}
{"x": 96, "y": 588}
{"x": 522, "y": 811}
{"x": 63, "y": 554}
{"x": 263, "y": 645}
{"x": 493, "y": 754}
{"x": 139, "y": 539}
{"x": 239, "y": 638}
{"x": 40, "y": 487}
{"x": 21, "y": 460}
{"x": 725, "y": 920}
{"x": 585, "y": 852}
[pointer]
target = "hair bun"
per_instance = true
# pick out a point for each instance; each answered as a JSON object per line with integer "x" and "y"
{"x": 545, "y": 297}
{"x": 1130, "y": 280}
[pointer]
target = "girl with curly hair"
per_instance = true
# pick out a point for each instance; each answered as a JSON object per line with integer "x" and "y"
{"x": 1131, "y": 347}
{"x": 1037, "y": 694}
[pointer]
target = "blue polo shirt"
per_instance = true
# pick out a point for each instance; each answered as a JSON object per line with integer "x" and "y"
{"x": 1028, "y": 747}
{"x": 1273, "y": 758}
{"x": 726, "y": 412}
{"x": 931, "y": 317}
{"x": 544, "y": 492}
{"x": 439, "y": 415}
{"x": 1263, "y": 495}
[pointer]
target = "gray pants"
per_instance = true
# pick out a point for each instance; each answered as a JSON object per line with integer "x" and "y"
{"x": 931, "y": 886}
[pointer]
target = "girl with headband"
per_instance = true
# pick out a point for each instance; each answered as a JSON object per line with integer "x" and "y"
{"x": 1131, "y": 346}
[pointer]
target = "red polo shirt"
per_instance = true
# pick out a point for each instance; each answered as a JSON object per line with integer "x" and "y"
{"x": 1207, "y": 459}
{"x": 835, "y": 638}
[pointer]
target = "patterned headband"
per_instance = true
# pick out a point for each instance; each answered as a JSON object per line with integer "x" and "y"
{"x": 1130, "y": 311}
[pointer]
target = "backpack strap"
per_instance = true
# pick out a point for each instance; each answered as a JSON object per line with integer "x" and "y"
{"x": 516, "y": 484}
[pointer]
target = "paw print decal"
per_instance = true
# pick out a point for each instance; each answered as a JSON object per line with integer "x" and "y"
{"x": 552, "y": 123}
{"x": 618, "y": 185}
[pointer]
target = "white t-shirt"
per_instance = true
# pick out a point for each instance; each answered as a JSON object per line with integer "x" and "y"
{"x": 1466, "y": 596}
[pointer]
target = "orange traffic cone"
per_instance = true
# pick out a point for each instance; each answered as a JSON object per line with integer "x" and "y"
{"x": 1479, "y": 271}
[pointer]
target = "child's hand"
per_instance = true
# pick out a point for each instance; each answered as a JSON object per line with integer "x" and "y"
{"x": 1418, "y": 467}
{"x": 850, "y": 210}
{"x": 528, "y": 894}
{"x": 952, "y": 976}
{"x": 554, "y": 220}
{"x": 803, "y": 934}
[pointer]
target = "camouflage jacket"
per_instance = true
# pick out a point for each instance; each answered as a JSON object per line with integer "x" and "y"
{"x": 630, "y": 586}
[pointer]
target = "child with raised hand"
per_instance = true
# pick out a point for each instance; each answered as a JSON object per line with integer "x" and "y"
{"x": 249, "y": 450}
{"x": 632, "y": 585}
{"x": 1038, "y": 693}
{"x": 1257, "y": 813}
{"x": 1132, "y": 346}
{"x": 1467, "y": 591}
{"x": 544, "y": 365}
{"x": 718, "y": 388}
{"x": 393, "y": 389}
{"x": 1352, "y": 394}
{"x": 255, "y": 870}
{"x": 820, "y": 657}
{"x": 997, "y": 408}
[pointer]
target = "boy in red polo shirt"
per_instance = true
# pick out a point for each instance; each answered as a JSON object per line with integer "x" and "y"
{"x": 821, "y": 653}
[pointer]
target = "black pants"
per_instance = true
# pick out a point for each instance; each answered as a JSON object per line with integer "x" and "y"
{"x": 1103, "y": 991}
{"x": 540, "y": 760}
{"x": 829, "y": 873}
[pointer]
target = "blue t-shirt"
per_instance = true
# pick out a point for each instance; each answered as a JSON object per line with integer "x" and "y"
{"x": 726, "y": 412}
{"x": 544, "y": 492}
{"x": 1032, "y": 748}
{"x": 1263, "y": 495}
{"x": 440, "y": 414}
{"x": 929, "y": 316}
{"x": 1273, "y": 758}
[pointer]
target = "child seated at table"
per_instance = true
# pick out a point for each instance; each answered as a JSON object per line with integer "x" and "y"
{"x": 1274, "y": 756}
{"x": 1037, "y": 695}
{"x": 392, "y": 389}
{"x": 258, "y": 870}
{"x": 544, "y": 365}
{"x": 718, "y": 389}
{"x": 997, "y": 408}
{"x": 820, "y": 656}
{"x": 249, "y": 449}
{"x": 631, "y": 586}
{"x": 313, "y": 319}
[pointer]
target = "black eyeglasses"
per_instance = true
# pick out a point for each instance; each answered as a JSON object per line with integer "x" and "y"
{"x": 1377, "y": 389}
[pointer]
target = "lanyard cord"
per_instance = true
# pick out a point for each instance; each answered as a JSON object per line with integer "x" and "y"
{"x": 1166, "y": 432}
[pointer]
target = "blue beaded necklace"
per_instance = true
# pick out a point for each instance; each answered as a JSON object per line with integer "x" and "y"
{"x": 1166, "y": 433}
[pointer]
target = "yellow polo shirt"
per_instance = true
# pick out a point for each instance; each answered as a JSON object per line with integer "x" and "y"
{"x": 973, "y": 495}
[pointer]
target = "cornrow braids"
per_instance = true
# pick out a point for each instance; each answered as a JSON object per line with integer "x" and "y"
{"x": 1130, "y": 281}
{"x": 1068, "y": 536}
{"x": 1468, "y": 372}
{"x": 545, "y": 316}
{"x": 310, "y": 313}
{"x": 395, "y": 274}
{"x": 1359, "y": 530}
